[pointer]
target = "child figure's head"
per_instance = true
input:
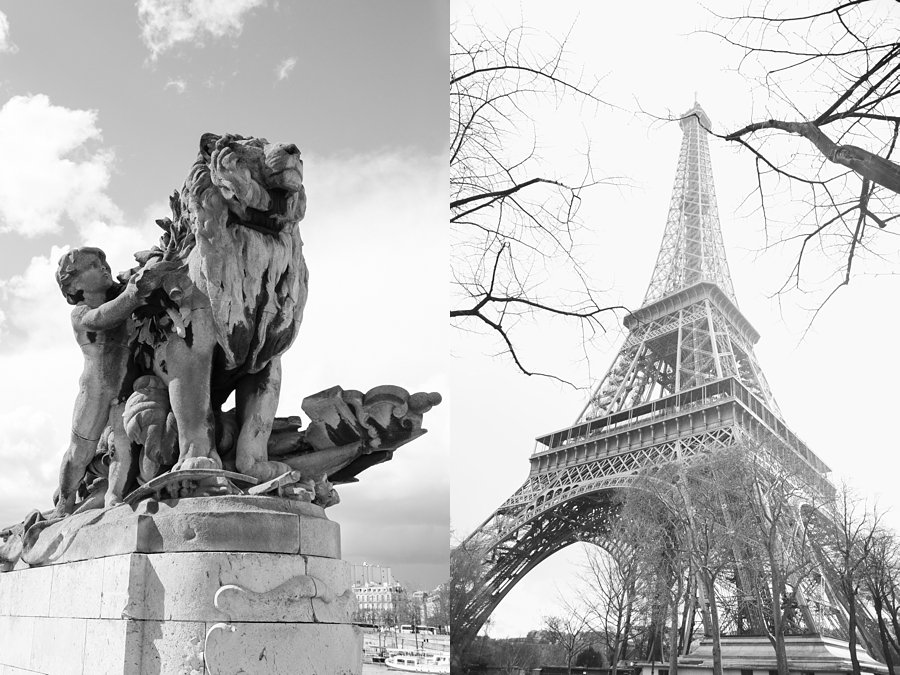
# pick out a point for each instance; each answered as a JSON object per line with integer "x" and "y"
{"x": 83, "y": 269}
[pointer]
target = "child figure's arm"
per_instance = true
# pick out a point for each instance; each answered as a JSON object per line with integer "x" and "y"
{"x": 139, "y": 286}
{"x": 111, "y": 313}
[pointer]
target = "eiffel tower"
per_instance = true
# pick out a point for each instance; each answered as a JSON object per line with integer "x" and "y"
{"x": 685, "y": 383}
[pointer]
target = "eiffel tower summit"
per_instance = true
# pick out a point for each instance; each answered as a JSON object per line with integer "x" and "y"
{"x": 684, "y": 385}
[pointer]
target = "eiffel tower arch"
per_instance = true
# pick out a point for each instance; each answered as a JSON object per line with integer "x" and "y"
{"x": 685, "y": 383}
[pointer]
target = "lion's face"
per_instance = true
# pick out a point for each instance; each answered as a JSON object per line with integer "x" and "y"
{"x": 260, "y": 182}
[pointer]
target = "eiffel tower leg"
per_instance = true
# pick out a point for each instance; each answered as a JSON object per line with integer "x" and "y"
{"x": 504, "y": 555}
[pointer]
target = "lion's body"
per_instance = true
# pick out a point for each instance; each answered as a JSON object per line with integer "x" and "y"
{"x": 241, "y": 297}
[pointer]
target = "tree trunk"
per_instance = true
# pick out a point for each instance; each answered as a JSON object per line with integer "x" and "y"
{"x": 687, "y": 621}
{"x": 714, "y": 623}
{"x": 627, "y": 630}
{"x": 851, "y": 610}
{"x": 895, "y": 623}
{"x": 777, "y": 636}
{"x": 673, "y": 634}
{"x": 883, "y": 634}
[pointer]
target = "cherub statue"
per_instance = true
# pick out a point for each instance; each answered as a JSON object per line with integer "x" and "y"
{"x": 102, "y": 326}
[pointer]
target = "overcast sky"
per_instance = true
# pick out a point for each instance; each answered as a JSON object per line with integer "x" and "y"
{"x": 102, "y": 105}
{"x": 836, "y": 388}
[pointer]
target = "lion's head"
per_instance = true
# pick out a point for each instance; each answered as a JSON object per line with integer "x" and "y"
{"x": 260, "y": 183}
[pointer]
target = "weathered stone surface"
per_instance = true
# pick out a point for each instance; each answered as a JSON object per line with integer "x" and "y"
{"x": 12, "y": 670}
{"x": 150, "y": 613}
{"x": 224, "y": 523}
{"x": 284, "y": 648}
{"x": 302, "y": 597}
{"x": 26, "y": 592}
{"x": 320, "y": 537}
{"x": 341, "y": 608}
{"x": 57, "y": 646}
{"x": 16, "y": 636}
{"x": 106, "y": 647}
{"x": 183, "y": 587}
{"x": 124, "y": 577}
{"x": 168, "y": 647}
{"x": 77, "y": 589}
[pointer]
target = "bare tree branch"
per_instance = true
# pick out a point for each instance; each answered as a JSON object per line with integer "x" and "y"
{"x": 830, "y": 79}
{"x": 514, "y": 219}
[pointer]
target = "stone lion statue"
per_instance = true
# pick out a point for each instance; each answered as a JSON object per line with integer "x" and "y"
{"x": 221, "y": 323}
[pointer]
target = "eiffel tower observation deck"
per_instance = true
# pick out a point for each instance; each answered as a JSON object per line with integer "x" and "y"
{"x": 684, "y": 384}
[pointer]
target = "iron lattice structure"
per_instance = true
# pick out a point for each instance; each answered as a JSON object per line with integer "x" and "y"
{"x": 684, "y": 384}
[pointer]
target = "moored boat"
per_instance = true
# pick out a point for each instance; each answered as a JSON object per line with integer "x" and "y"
{"x": 419, "y": 663}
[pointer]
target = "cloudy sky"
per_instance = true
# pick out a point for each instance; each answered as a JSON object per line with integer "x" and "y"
{"x": 836, "y": 387}
{"x": 101, "y": 110}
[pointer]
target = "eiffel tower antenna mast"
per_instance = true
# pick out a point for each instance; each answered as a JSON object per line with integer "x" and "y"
{"x": 685, "y": 384}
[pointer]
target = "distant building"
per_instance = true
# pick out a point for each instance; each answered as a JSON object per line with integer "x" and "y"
{"x": 379, "y": 596}
{"x": 433, "y": 603}
{"x": 428, "y": 604}
{"x": 364, "y": 573}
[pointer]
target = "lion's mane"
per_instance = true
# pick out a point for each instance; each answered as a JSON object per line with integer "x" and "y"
{"x": 256, "y": 281}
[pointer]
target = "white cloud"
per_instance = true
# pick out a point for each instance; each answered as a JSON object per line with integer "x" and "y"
{"x": 6, "y": 44}
{"x": 285, "y": 67}
{"x": 49, "y": 168}
{"x": 31, "y": 303}
{"x": 165, "y": 23}
{"x": 39, "y": 354}
{"x": 180, "y": 86}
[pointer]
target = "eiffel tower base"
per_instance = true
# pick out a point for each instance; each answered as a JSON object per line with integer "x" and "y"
{"x": 806, "y": 655}
{"x": 194, "y": 586}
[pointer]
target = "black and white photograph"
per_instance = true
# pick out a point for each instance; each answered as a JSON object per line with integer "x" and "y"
{"x": 269, "y": 406}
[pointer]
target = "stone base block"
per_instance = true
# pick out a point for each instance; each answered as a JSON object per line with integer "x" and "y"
{"x": 805, "y": 653}
{"x": 180, "y": 613}
{"x": 226, "y": 523}
{"x": 54, "y": 646}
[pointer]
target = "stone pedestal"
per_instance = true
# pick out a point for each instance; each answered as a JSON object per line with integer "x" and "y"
{"x": 217, "y": 585}
{"x": 806, "y": 654}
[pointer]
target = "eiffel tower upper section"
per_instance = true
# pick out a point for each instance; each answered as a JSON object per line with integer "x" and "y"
{"x": 692, "y": 249}
{"x": 689, "y": 330}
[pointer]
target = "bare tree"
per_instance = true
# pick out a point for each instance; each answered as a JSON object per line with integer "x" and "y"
{"x": 517, "y": 655}
{"x": 571, "y": 631}
{"x": 610, "y": 583}
{"x": 882, "y": 581}
{"x": 733, "y": 518}
{"x": 827, "y": 127}
{"x": 777, "y": 553}
{"x": 513, "y": 217}
{"x": 466, "y": 580}
{"x": 850, "y": 532}
{"x": 881, "y": 576}
{"x": 653, "y": 529}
